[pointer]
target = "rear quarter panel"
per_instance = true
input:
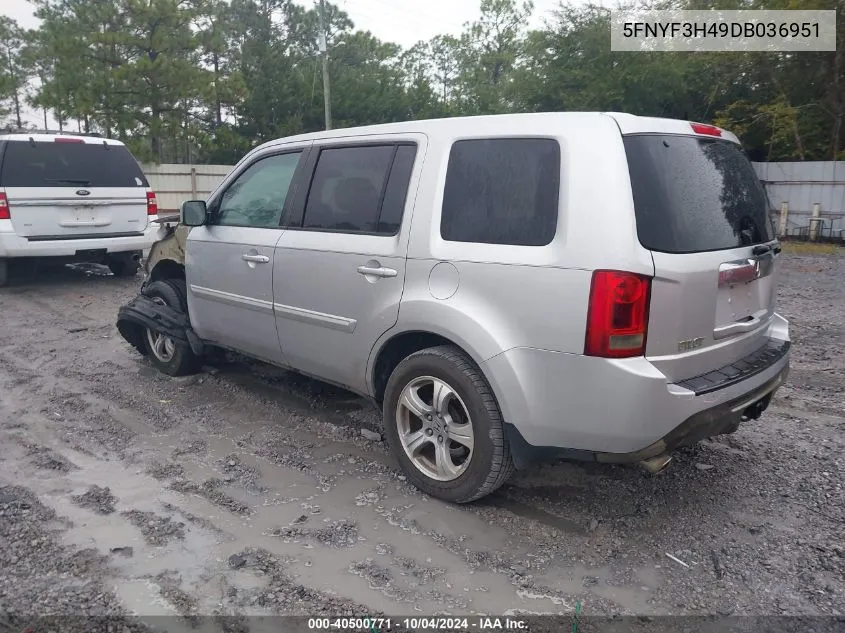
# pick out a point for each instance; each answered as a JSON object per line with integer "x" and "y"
{"x": 509, "y": 296}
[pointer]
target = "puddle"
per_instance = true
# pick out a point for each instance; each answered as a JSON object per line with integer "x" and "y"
{"x": 499, "y": 500}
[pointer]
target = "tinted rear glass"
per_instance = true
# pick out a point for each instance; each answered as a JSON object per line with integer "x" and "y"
{"x": 347, "y": 187}
{"x": 69, "y": 165}
{"x": 502, "y": 191}
{"x": 396, "y": 191}
{"x": 693, "y": 195}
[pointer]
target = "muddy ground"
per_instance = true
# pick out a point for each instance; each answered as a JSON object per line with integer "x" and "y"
{"x": 248, "y": 490}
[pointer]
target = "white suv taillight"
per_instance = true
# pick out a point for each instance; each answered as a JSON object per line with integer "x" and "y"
{"x": 4, "y": 207}
{"x": 152, "y": 203}
{"x": 617, "y": 317}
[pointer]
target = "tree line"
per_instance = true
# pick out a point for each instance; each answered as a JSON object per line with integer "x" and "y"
{"x": 203, "y": 81}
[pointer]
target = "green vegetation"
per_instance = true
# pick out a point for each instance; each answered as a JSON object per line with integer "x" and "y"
{"x": 812, "y": 248}
{"x": 205, "y": 80}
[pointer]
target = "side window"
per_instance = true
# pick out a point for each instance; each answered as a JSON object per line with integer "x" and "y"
{"x": 257, "y": 197}
{"x": 348, "y": 188}
{"x": 396, "y": 192}
{"x": 502, "y": 191}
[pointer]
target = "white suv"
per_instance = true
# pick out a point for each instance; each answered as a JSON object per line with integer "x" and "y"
{"x": 79, "y": 197}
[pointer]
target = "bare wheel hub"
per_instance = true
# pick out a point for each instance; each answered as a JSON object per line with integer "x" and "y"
{"x": 161, "y": 345}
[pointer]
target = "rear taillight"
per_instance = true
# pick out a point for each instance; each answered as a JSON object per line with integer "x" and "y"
{"x": 152, "y": 204}
{"x": 617, "y": 317}
{"x": 64, "y": 139}
{"x": 4, "y": 207}
{"x": 703, "y": 128}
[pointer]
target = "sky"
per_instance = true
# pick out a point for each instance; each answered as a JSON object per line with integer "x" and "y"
{"x": 404, "y": 22}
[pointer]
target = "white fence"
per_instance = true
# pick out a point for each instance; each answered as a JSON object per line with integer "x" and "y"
{"x": 174, "y": 184}
{"x": 807, "y": 197}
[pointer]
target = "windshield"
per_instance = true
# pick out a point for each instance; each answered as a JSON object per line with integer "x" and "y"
{"x": 42, "y": 164}
{"x": 693, "y": 194}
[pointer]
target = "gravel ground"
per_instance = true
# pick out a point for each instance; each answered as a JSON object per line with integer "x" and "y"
{"x": 249, "y": 491}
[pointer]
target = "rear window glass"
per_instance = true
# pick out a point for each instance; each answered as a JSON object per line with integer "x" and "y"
{"x": 50, "y": 164}
{"x": 694, "y": 195}
{"x": 502, "y": 191}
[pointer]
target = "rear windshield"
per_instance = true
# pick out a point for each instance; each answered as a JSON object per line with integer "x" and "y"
{"x": 693, "y": 194}
{"x": 53, "y": 164}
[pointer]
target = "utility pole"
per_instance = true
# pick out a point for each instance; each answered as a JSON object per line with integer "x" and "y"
{"x": 324, "y": 54}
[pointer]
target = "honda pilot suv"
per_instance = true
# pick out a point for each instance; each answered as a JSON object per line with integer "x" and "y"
{"x": 510, "y": 288}
{"x": 75, "y": 197}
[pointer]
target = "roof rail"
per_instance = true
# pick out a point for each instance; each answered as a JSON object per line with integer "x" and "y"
{"x": 22, "y": 130}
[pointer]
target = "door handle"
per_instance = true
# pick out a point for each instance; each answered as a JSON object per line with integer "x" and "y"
{"x": 258, "y": 259}
{"x": 740, "y": 327}
{"x": 377, "y": 272}
{"x": 96, "y": 223}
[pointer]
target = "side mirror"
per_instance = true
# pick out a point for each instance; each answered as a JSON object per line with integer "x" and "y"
{"x": 194, "y": 213}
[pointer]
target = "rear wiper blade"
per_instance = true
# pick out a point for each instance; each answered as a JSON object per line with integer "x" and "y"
{"x": 762, "y": 249}
{"x": 70, "y": 180}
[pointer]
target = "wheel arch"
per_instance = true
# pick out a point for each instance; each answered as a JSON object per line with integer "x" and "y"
{"x": 396, "y": 346}
{"x": 167, "y": 269}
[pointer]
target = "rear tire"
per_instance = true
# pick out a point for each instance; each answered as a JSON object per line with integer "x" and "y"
{"x": 468, "y": 415}
{"x": 123, "y": 265}
{"x": 4, "y": 272}
{"x": 168, "y": 356}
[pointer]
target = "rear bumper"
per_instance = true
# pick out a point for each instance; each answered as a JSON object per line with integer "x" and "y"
{"x": 719, "y": 420}
{"x": 622, "y": 410}
{"x": 14, "y": 246}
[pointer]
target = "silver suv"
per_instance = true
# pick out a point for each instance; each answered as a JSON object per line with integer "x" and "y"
{"x": 595, "y": 286}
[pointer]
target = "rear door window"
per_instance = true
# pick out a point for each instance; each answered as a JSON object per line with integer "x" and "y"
{"x": 694, "y": 195}
{"x": 360, "y": 189}
{"x": 502, "y": 191}
{"x": 51, "y": 164}
{"x": 396, "y": 190}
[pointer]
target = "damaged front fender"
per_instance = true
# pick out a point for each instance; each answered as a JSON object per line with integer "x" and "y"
{"x": 167, "y": 255}
{"x": 143, "y": 313}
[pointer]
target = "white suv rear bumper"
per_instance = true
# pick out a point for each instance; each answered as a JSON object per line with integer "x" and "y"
{"x": 14, "y": 246}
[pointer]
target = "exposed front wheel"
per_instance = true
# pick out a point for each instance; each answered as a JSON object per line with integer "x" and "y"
{"x": 167, "y": 355}
{"x": 124, "y": 264}
{"x": 444, "y": 426}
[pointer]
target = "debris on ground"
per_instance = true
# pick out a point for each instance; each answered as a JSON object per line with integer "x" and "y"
{"x": 156, "y": 529}
{"x": 97, "y": 499}
{"x": 751, "y": 522}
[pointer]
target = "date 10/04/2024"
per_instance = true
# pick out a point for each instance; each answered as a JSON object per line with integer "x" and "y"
{"x": 421, "y": 623}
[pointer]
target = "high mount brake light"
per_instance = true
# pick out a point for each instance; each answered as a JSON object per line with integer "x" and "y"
{"x": 703, "y": 128}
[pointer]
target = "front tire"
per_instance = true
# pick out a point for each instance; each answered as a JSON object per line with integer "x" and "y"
{"x": 165, "y": 354}
{"x": 123, "y": 265}
{"x": 444, "y": 427}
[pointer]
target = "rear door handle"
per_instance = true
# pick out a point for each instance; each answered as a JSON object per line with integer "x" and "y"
{"x": 258, "y": 259}
{"x": 84, "y": 223}
{"x": 377, "y": 272}
{"x": 740, "y": 327}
